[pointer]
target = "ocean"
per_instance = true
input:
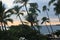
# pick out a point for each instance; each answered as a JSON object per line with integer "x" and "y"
{"x": 44, "y": 30}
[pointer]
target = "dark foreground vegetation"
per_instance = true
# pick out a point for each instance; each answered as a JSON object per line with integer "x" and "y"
{"x": 15, "y": 32}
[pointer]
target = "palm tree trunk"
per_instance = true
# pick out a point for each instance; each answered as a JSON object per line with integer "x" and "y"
{"x": 21, "y": 20}
{"x": 50, "y": 22}
{"x": 2, "y": 28}
{"x": 47, "y": 28}
{"x": 51, "y": 26}
{"x": 26, "y": 9}
{"x": 59, "y": 18}
{"x": 31, "y": 24}
{"x": 5, "y": 26}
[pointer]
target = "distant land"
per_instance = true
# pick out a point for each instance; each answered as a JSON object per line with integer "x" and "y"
{"x": 58, "y": 25}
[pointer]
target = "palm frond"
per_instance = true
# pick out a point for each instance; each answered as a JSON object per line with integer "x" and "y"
{"x": 42, "y": 22}
{"x": 45, "y": 19}
{"x": 17, "y": 1}
{"x": 10, "y": 11}
{"x": 5, "y": 22}
{"x": 34, "y": 5}
{"x": 6, "y": 16}
{"x": 21, "y": 14}
{"x": 10, "y": 20}
{"x": 20, "y": 1}
{"x": 38, "y": 10}
{"x": 51, "y": 2}
{"x": 32, "y": 10}
{"x": 44, "y": 8}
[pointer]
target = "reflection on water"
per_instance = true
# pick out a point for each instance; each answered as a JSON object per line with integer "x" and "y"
{"x": 45, "y": 31}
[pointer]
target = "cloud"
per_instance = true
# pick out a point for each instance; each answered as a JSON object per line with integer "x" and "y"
{"x": 9, "y": 3}
{"x": 18, "y": 23}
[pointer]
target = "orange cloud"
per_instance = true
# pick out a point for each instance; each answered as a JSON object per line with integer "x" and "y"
{"x": 17, "y": 23}
{"x": 53, "y": 23}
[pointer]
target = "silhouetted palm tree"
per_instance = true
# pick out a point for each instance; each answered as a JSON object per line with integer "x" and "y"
{"x": 33, "y": 10}
{"x": 4, "y": 17}
{"x": 44, "y": 20}
{"x": 24, "y": 4}
{"x": 16, "y": 10}
{"x": 32, "y": 17}
{"x": 46, "y": 9}
{"x": 56, "y": 8}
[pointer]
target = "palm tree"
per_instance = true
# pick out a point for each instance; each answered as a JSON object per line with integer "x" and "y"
{"x": 4, "y": 17}
{"x": 32, "y": 17}
{"x": 33, "y": 11}
{"x": 33, "y": 6}
{"x": 44, "y": 20}
{"x": 56, "y": 8}
{"x": 46, "y": 9}
{"x": 16, "y": 10}
{"x": 24, "y": 4}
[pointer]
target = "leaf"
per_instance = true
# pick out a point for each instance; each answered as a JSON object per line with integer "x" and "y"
{"x": 48, "y": 21}
{"x": 32, "y": 10}
{"x": 10, "y": 10}
{"x": 17, "y": 1}
{"x": 51, "y": 2}
{"x": 33, "y": 5}
{"x": 5, "y": 22}
{"x": 10, "y": 20}
{"x": 44, "y": 7}
{"x": 45, "y": 19}
{"x": 22, "y": 13}
{"x": 5, "y": 16}
{"x": 42, "y": 22}
{"x": 38, "y": 10}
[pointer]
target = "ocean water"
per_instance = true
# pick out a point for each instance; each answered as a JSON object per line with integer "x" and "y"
{"x": 44, "y": 30}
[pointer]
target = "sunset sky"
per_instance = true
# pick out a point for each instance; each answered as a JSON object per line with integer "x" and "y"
{"x": 53, "y": 18}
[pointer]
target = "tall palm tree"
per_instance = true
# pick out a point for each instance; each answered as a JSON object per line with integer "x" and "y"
{"x": 4, "y": 17}
{"x": 46, "y": 9}
{"x": 33, "y": 6}
{"x": 44, "y": 20}
{"x": 33, "y": 11}
{"x": 32, "y": 17}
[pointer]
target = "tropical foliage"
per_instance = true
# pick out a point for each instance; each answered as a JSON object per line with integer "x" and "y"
{"x": 4, "y": 17}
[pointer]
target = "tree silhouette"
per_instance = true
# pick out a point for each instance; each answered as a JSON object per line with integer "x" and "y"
{"x": 17, "y": 12}
{"x": 24, "y": 2}
{"x": 56, "y": 8}
{"x": 44, "y": 20}
{"x": 46, "y": 9}
{"x": 4, "y": 17}
{"x": 32, "y": 17}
